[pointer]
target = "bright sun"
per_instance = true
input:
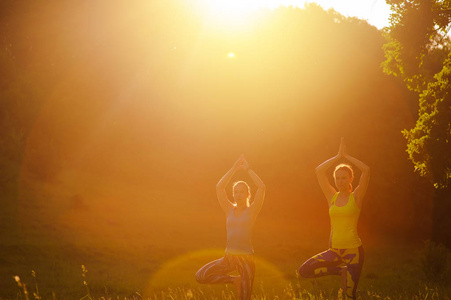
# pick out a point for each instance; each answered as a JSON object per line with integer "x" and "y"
{"x": 237, "y": 14}
{"x": 232, "y": 8}
{"x": 231, "y": 13}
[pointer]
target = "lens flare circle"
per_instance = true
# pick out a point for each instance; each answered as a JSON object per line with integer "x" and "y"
{"x": 180, "y": 273}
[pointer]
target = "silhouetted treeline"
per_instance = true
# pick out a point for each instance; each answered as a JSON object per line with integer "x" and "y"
{"x": 147, "y": 93}
{"x": 418, "y": 51}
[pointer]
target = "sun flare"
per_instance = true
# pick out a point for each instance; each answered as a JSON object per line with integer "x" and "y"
{"x": 231, "y": 13}
{"x": 238, "y": 14}
{"x": 232, "y": 9}
{"x": 234, "y": 14}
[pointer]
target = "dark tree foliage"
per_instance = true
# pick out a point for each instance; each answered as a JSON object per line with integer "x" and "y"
{"x": 417, "y": 43}
{"x": 429, "y": 146}
{"x": 418, "y": 51}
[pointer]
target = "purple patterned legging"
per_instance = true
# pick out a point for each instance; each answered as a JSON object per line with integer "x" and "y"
{"x": 331, "y": 261}
{"x": 218, "y": 272}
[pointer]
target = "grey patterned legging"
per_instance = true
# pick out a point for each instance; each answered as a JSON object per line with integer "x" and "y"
{"x": 218, "y": 271}
{"x": 330, "y": 261}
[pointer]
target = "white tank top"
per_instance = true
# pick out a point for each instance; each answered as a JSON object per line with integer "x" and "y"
{"x": 239, "y": 233}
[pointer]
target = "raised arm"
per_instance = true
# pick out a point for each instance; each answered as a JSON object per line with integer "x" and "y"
{"x": 359, "y": 192}
{"x": 221, "y": 193}
{"x": 259, "y": 198}
{"x": 326, "y": 187}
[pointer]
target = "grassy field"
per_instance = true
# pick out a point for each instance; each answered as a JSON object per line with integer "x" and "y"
{"x": 136, "y": 243}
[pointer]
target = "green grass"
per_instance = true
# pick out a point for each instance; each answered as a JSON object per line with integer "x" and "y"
{"x": 139, "y": 243}
{"x": 399, "y": 277}
{"x": 291, "y": 291}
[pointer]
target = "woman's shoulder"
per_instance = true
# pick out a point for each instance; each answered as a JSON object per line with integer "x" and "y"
{"x": 332, "y": 200}
{"x": 352, "y": 198}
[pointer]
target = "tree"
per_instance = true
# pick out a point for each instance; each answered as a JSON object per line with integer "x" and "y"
{"x": 418, "y": 51}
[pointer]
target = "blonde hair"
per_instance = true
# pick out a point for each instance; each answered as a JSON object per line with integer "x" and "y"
{"x": 248, "y": 188}
{"x": 348, "y": 169}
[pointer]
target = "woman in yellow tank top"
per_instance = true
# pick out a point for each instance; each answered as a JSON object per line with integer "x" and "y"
{"x": 345, "y": 255}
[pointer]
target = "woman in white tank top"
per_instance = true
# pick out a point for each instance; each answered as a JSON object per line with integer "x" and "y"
{"x": 241, "y": 216}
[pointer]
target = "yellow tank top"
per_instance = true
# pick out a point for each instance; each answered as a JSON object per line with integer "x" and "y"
{"x": 343, "y": 221}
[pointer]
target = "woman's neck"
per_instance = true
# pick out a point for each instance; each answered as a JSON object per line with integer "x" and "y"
{"x": 241, "y": 206}
{"x": 344, "y": 193}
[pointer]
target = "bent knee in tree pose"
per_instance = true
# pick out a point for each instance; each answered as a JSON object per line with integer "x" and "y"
{"x": 345, "y": 256}
{"x": 240, "y": 216}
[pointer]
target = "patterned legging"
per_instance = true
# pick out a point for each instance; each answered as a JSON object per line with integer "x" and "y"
{"x": 218, "y": 272}
{"x": 330, "y": 262}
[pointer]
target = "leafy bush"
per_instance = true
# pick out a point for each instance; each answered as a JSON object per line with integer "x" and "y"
{"x": 435, "y": 262}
